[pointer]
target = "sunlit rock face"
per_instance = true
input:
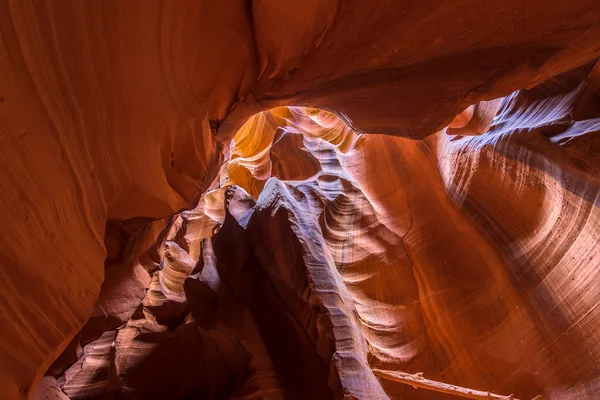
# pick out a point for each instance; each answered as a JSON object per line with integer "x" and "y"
{"x": 326, "y": 262}
{"x": 138, "y": 196}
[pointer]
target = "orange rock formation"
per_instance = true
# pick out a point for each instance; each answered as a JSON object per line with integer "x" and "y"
{"x": 181, "y": 218}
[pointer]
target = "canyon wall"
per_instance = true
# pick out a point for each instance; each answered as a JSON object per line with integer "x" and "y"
{"x": 307, "y": 275}
{"x": 469, "y": 258}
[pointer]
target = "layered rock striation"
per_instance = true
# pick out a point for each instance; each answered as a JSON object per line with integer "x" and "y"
{"x": 306, "y": 275}
{"x": 440, "y": 218}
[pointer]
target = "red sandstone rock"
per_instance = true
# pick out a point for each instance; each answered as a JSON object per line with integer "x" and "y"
{"x": 470, "y": 258}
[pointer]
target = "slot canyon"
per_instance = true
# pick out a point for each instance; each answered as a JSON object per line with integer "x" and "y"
{"x": 315, "y": 199}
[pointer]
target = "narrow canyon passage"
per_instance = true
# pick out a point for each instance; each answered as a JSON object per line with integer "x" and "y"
{"x": 299, "y": 200}
{"x": 304, "y": 274}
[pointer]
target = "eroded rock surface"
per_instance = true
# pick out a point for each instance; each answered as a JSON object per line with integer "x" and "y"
{"x": 469, "y": 255}
{"x": 471, "y": 264}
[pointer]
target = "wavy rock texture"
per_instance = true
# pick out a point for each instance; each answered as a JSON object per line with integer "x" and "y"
{"x": 470, "y": 258}
{"x": 472, "y": 263}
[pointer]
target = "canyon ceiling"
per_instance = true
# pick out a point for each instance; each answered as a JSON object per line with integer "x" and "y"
{"x": 299, "y": 199}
